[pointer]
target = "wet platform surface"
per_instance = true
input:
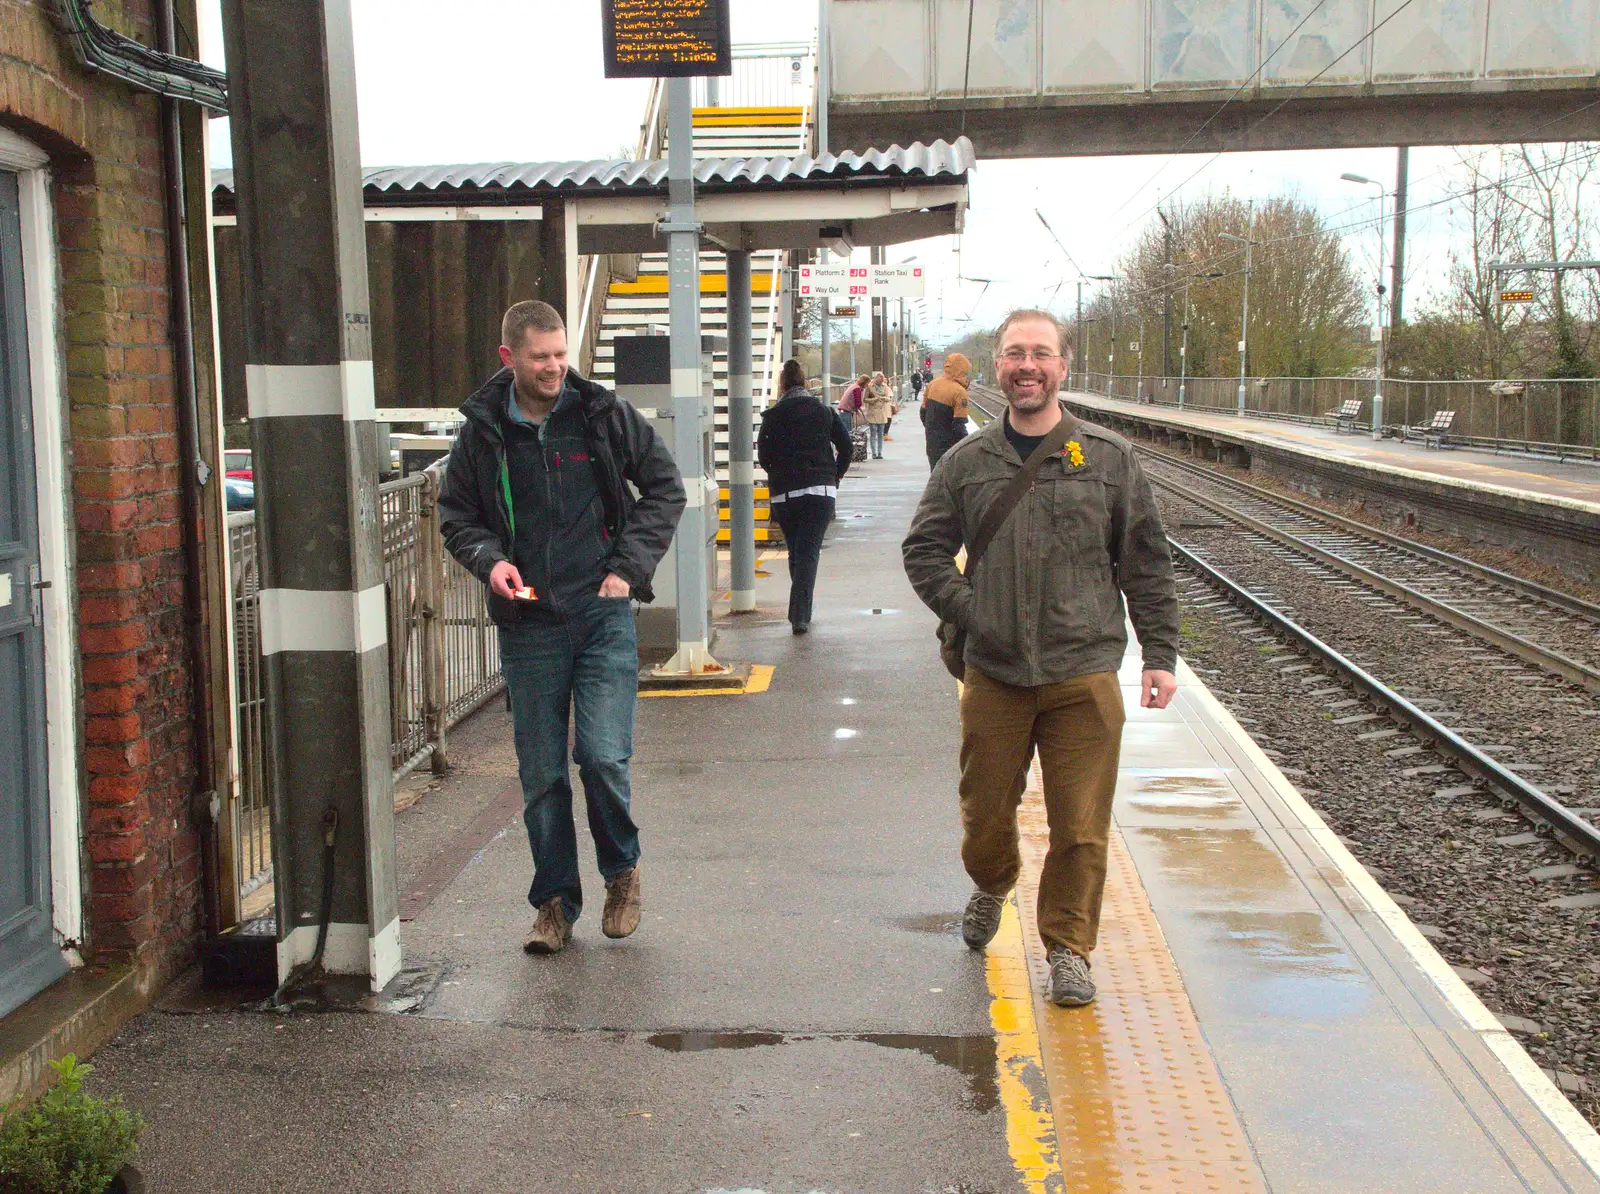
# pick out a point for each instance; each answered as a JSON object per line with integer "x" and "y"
{"x": 798, "y": 1013}
{"x": 1575, "y": 482}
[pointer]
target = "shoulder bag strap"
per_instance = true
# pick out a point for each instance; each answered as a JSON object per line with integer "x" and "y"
{"x": 995, "y": 516}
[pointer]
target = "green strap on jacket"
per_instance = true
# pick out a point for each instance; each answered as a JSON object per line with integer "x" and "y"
{"x": 505, "y": 488}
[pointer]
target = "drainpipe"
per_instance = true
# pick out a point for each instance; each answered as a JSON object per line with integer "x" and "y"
{"x": 194, "y": 474}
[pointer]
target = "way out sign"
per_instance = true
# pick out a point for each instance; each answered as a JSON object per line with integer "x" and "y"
{"x": 895, "y": 281}
{"x": 831, "y": 281}
{"x": 666, "y": 38}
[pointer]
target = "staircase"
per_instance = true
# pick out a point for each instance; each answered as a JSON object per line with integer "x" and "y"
{"x": 639, "y": 307}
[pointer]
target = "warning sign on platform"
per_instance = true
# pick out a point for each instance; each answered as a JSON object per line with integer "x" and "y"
{"x": 666, "y": 38}
{"x": 895, "y": 281}
{"x": 1516, "y": 296}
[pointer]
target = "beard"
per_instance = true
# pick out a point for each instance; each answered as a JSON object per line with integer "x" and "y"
{"x": 1028, "y": 403}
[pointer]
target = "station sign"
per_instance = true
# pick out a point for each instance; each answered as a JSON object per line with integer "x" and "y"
{"x": 1516, "y": 296}
{"x": 846, "y": 312}
{"x": 895, "y": 281}
{"x": 831, "y": 281}
{"x": 647, "y": 39}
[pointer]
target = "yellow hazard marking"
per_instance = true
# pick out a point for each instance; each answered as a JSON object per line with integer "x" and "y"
{"x": 1030, "y": 1126}
{"x": 725, "y": 534}
{"x": 760, "y": 284}
{"x": 760, "y": 680}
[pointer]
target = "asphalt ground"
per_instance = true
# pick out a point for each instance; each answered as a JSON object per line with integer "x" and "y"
{"x": 797, "y": 1012}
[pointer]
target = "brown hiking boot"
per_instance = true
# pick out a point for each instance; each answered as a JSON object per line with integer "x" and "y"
{"x": 621, "y": 915}
{"x": 551, "y": 931}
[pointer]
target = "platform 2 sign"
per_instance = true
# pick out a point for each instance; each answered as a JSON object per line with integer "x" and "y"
{"x": 647, "y": 39}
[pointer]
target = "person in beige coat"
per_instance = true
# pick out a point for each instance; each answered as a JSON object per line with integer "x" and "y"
{"x": 877, "y": 404}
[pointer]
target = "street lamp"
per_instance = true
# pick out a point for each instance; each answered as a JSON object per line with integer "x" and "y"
{"x": 1377, "y": 381}
{"x": 1183, "y": 353}
{"x": 1082, "y": 364}
{"x": 1248, "y": 241}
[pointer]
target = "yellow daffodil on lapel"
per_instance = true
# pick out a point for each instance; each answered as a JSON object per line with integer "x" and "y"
{"x": 1074, "y": 453}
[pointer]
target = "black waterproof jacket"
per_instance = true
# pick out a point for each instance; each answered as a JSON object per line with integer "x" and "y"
{"x": 477, "y": 522}
{"x": 802, "y": 443}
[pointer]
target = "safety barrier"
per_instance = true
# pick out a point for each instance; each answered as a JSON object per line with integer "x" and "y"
{"x": 444, "y": 655}
{"x": 1547, "y": 417}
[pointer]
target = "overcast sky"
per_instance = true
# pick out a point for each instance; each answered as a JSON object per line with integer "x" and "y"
{"x": 521, "y": 80}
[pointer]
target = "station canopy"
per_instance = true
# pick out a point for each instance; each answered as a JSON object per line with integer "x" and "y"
{"x": 834, "y": 201}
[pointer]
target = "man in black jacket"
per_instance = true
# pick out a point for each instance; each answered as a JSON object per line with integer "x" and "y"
{"x": 805, "y": 449}
{"x": 536, "y": 505}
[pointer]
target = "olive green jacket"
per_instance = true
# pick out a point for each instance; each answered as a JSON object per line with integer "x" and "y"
{"x": 1046, "y": 601}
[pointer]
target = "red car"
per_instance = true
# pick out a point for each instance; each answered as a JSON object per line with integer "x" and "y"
{"x": 236, "y": 463}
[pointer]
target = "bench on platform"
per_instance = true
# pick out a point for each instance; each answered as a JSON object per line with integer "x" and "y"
{"x": 1435, "y": 431}
{"x": 1344, "y": 419}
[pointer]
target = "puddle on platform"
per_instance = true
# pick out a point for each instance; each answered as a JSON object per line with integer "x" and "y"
{"x": 1197, "y": 795}
{"x": 1299, "y": 970}
{"x": 929, "y": 922}
{"x": 975, "y": 1057}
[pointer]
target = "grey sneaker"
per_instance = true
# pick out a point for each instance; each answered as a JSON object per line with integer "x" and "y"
{"x": 551, "y": 930}
{"x": 981, "y": 921}
{"x": 1070, "y": 984}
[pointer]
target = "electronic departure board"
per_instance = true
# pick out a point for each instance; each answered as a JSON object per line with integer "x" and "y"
{"x": 666, "y": 38}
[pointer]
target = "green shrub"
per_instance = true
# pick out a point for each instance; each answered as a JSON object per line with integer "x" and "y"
{"x": 68, "y": 1142}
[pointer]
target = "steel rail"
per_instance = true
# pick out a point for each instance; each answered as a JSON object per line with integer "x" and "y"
{"x": 1542, "y": 657}
{"x": 1519, "y": 585}
{"x": 1579, "y": 834}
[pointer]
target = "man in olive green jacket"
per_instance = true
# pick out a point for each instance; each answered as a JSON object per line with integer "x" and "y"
{"x": 1043, "y": 614}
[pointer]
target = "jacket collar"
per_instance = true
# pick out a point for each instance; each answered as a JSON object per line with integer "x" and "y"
{"x": 487, "y": 406}
{"x": 993, "y": 437}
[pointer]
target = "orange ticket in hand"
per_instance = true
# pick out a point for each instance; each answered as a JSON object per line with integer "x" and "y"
{"x": 525, "y": 593}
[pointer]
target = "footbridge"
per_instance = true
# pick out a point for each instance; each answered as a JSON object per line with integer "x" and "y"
{"x": 1037, "y": 78}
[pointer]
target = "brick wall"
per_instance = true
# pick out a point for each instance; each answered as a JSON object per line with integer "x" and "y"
{"x": 142, "y": 861}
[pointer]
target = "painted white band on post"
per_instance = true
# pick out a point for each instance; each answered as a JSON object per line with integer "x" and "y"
{"x": 313, "y": 620}
{"x": 351, "y": 949}
{"x": 741, "y": 472}
{"x": 285, "y": 391}
{"x": 685, "y": 382}
{"x": 695, "y": 490}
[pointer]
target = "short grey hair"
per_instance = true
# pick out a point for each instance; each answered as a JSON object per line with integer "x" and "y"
{"x": 1022, "y": 313}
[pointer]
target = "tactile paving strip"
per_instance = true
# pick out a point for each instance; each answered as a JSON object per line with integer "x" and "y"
{"x": 1138, "y": 1102}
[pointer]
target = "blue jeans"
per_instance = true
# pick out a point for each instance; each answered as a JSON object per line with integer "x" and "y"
{"x": 875, "y": 439}
{"x": 849, "y": 417}
{"x": 590, "y": 664}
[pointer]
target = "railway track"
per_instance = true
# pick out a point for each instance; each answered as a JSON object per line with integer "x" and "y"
{"x": 1247, "y": 543}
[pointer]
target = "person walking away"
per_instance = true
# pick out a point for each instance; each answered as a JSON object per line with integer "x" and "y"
{"x": 805, "y": 450}
{"x": 536, "y": 504}
{"x": 850, "y": 402}
{"x": 1041, "y": 615}
{"x": 916, "y": 385}
{"x": 945, "y": 407}
{"x": 878, "y": 406}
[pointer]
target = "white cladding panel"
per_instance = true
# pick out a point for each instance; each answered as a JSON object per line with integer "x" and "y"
{"x": 1005, "y": 47}
{"x": 881, "y": 50}
{"x": 1302, "y": 39}
{"x": 1093, "y": 45}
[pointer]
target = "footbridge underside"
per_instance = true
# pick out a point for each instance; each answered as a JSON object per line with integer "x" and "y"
{"x": 1032, "y": 78}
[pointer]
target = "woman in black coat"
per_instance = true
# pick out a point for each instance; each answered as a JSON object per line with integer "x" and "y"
{"x": 805, "y": 449}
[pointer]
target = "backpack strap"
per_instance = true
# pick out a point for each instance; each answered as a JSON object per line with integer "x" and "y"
{"x": 996, "y": 515}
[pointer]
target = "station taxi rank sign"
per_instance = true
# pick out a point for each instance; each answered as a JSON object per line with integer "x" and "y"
{"x": 647, "y": 39}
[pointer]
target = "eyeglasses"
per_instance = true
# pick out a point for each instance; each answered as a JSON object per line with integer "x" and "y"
{"x": 1016, "y": 356}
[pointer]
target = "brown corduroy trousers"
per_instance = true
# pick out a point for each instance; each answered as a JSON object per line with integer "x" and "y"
{"x": 1076, "y": 726}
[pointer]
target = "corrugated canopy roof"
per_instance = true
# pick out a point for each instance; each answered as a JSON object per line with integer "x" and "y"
{"x": 942, "y": 161}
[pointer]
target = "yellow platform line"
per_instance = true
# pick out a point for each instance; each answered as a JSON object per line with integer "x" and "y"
{"x": 760, "y": 680}
{"x": 1024, "y": 1093}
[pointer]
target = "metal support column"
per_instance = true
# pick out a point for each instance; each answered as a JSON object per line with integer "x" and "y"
{"x": 308, "y": 348}
{"x": 741, "y": 437}
{"x": 827, "y": 348}
{"x": 693, "y": 656}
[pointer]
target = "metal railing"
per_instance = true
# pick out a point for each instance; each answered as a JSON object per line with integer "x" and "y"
{"x": 1545, "y": 417}
{"x": 773, "y": 75}
{"x": 444, "y": 655}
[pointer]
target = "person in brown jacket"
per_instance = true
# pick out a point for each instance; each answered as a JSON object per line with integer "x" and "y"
{"x": 1044, "y": 624}
{"x": 944, "y": 407}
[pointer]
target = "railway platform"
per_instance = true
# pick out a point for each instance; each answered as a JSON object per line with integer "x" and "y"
{"x": 798, "y": 1013}
{"x": 1546, "y": 509}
